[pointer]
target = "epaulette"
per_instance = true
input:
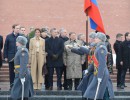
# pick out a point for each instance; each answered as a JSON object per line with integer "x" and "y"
{"x": 23, "y": 51}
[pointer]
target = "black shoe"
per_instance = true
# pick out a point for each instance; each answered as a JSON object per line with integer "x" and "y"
{"x": 70, "y": 88}
{"x": 125, "y": 86}
{"x": 50, "y": 88}
{"x": 59, "y": 88}
{"x": 65, "y": 88}
{"x": 118, "y": 85}
{"x": 122, "y": 87}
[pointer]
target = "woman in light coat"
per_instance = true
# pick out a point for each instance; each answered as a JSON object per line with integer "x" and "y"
{"x": 37, "y": 58}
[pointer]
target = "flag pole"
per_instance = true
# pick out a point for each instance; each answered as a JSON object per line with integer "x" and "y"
{"x": 86, "y": 28}
{"x": 87, "y": 38}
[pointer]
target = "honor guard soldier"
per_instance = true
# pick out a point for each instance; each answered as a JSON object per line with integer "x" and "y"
{"x": 23, "y": 86}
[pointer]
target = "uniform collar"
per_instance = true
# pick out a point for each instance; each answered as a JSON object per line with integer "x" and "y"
{"x": 20, "y": 47}
{"x": 100, "y": 43}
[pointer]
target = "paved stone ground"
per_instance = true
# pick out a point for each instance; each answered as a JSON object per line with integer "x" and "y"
{"x": 5, "y": 86}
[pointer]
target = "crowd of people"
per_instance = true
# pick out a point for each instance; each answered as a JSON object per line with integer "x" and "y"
{"x": 45, "y": 50}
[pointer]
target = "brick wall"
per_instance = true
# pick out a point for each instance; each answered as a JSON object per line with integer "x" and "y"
{"x": 63, "y": 13}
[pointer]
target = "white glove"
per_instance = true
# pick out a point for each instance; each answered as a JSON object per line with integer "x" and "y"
{"x": 85, "y": 72}
{"x": 99, "y": 80}
{"x": 22, "y": 80}
{"x": 86, "y": 47}
{"x": 68, "y": 46}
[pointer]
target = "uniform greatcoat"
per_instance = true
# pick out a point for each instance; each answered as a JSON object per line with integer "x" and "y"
{"x": 103, "y": 73}
{"x": 21, "y": 60}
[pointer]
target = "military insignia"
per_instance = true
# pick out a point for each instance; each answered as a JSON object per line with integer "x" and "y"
{"x": 23, "y": 54}
{"x": 102, "y": 51}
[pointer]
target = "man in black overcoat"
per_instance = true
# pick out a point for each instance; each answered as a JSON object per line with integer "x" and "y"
{"x": 10, "y": 49}
{"x": 54, "y": 48}
{"x": 117, "y": 47}
{"x": 125, "y": 58}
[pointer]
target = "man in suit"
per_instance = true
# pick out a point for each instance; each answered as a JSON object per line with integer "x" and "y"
{"x": 117, "y": 46}
{"x": 125, "y": 58}
{"x": 10, "y": 49}
{"x": 55, "y": 48}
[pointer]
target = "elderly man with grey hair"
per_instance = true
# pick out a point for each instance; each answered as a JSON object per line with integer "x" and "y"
{"x": 23, "y": 77}
{"x": 82, "y": 38}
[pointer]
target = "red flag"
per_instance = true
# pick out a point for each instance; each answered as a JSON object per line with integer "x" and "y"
{"x": 91, "y": 8}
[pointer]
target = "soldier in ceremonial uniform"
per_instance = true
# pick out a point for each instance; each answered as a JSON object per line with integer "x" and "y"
{"x": 22, "y": 73}
{"x": 101, "y": 73}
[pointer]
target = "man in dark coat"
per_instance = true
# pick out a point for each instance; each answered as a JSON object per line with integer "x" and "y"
{"x": 63, "y": 36}
{"x": 1, "y": 47}
{"x": 10, "y": 49}
{"x": 125, "y": 58}
{"x": 117, "y": 47}
{"x": 54, "y": 50}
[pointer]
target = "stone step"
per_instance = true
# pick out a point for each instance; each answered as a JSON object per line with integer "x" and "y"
{"x": 115, "y": 80}
{"x": 122, "y": 98}
{"x": 122, "y": 93}
{"x": 66, "y": 92}
{"x": 53, "y": 97}
{"x": 47, "y": 92}
{"x": 4, "y": 74}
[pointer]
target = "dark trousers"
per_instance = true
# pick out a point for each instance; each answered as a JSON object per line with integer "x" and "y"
{"x": 11, "y": 73}
{"x": 46, "y": 80}
{"x": 70, "y": 83}
{"x": 119, "y": 70}
{"x": 65, "y": 80}
{"x": 84, "y": 66}
{"x": 123, "y": 74}
{"x": 58, "y": 73}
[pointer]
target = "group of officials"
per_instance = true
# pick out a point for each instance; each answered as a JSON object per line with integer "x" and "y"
{"x": 65, "y": 56}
